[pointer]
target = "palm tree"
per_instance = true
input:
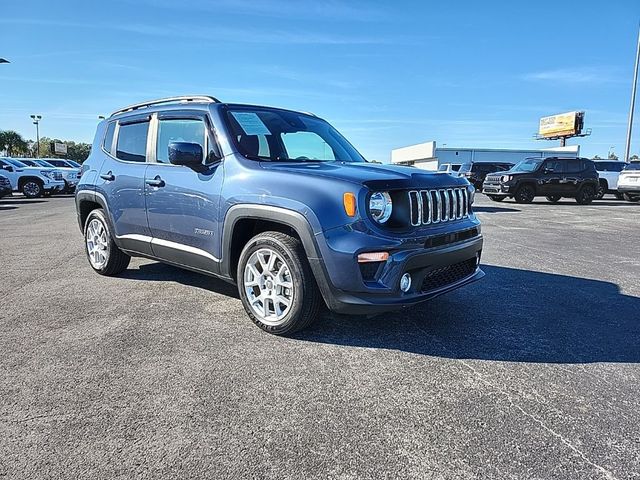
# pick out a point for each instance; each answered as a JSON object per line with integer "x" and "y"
{"x": 12, "y": 142}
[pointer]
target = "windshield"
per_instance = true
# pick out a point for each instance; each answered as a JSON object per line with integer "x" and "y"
{"x": 529, "y": 165}
{"x": 75, "y": 164}
{"x": 30, "y": 163}
{"x": 263, "y": 133}
{"x": 465, "y": 167}
{"x": 15, "y": 162}
{"x": 444, "y": 167}
{"x": 44, "y": 163}
{"x": 58, "y": 163}
{"x": 633, "y": 166}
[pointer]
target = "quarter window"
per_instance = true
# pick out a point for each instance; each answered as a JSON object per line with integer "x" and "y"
{"x": 132, "y": 142}
{"x": 178, "y": 130}
{"x": 108, "y": 137}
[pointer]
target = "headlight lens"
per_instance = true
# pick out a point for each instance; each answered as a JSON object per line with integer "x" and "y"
{"x": 46, "y": 173}
{"x": 505, "y": 178}
{"x": 380, "y": 206}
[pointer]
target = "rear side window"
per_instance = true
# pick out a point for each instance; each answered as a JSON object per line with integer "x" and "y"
{"x": 132, "y": 142}
{"x": 574, "y": 166}
{"x": 556, "y": 166}
{"x": 108, "y": 137}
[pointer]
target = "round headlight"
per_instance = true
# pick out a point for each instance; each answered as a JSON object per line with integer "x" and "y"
{"x": 505, "y": 178}
{"x": 380, "y": 206}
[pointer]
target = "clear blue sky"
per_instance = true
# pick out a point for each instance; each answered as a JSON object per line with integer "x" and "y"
{"x": 386, "y": 74}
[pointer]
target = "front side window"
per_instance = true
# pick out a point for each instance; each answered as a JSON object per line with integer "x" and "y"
{"x": 178, "y": 130}
{"x": 132, "y": 142}
{"x": 263, "y": 133}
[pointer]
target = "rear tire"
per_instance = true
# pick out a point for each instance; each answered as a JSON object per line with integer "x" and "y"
{"x": 32, "y": 189}
{"x": 276, "y": 285}
{"x": 554, "y": 198}
{"x": 586, "y": 195}
{"x": 103, "y": 254}
{"x": 525, "y": 194}
{"x": 496, "y": 198}
{"x": 602, "y": 190}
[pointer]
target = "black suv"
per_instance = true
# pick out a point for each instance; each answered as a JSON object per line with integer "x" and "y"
{"x": 552, "y": 177}
{"x": 477, "y": 171}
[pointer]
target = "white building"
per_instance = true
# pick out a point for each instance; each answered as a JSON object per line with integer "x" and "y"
{"x": 428, "y": 156}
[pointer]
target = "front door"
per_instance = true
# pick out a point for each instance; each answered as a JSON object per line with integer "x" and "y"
{"x": 552, "y": 177}
{"x": 183, "y": 203}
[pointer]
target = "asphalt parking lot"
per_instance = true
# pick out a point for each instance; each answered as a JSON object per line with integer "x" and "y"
{"x": 533, "y": 372}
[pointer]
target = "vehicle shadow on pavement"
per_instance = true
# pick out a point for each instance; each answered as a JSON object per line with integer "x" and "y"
{"x": 510, "y": 315}
{"x": 10, "y": 201}
{"x": 494, "y": 210}
{"x": 161, "y": 272}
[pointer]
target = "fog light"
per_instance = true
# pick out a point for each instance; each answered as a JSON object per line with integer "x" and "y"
{"x": 405, "y": 282}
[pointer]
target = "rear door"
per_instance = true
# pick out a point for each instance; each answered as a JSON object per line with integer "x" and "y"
{"x": 121, "y": 181}
{"x": 183, "y": 203}
{"x": 573, "y": 176}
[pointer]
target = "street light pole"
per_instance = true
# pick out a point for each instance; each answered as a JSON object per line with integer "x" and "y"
{"x": 627, "y": 146}
{"x": 36, "y": 121}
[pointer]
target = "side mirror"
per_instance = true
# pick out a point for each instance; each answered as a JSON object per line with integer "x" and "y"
{"x": 184, "y": 153}
{"x": 8, "y": 168}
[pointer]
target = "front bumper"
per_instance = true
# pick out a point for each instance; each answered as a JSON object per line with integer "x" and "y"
{"x": 428, "y": 269}
{"x": 497, "y": 189}
{"x": 629, "y": 189}
{"x": 53, "y": 186}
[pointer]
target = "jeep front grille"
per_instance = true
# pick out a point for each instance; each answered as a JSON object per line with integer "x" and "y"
{"x": 436, "y": 206}
{"x": 57, "y": 175}
{"x": 493, "y": 178}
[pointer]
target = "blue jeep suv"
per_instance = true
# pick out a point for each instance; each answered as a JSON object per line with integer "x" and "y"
{"x": 278, "y": 203}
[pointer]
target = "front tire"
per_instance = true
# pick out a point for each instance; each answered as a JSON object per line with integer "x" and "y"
{"x": 554, "y": 198}
{"x": 586, "y": 195}
{"x": 602, "y": 190}
{"x": 525, "y": 194}
{"x": 32, "y": 189}
{"x": 104, "y": 255}
{"x": 631, "y": 198}
{"x": 276, "y": 285}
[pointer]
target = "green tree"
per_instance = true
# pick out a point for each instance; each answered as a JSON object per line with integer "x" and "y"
{"x": 634, "y": 157}
{"x": 597, "y": 157}
{"x": 78, "y": 151}
{"x": 13, "y": 143}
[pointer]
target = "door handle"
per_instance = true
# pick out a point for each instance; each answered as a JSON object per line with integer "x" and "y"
{"x": 109, "y": 177}
{"x": 155, "y": 182}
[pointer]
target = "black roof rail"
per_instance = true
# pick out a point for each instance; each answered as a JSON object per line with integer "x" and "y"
{"x": 179, "y": 99}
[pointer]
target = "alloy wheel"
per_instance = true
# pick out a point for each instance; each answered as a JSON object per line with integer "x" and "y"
{"x": 97, "y": 244}
{"x": 31, "y": 189}
{"x": 269, "y": 286}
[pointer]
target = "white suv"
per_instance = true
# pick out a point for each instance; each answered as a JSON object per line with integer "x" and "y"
{"x": 629, "y": 182}
{"x": 31, "y": 181}
{"x": 609, "y": 171}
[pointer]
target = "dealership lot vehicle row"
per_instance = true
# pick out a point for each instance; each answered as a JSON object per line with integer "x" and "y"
{"x": 158, "y": 372}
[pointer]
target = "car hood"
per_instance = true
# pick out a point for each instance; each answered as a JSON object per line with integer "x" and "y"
{"x": 373, "y": 175}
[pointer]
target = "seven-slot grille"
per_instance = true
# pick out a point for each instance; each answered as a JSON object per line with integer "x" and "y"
{"x": 57, "y": 175}
{"x": 4, "y": 182}
{"x": 493, "y": 178}
{"x": 440, "y": 205}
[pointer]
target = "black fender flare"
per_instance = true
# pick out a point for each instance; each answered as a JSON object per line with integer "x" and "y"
{"x": 285, "y": 216}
